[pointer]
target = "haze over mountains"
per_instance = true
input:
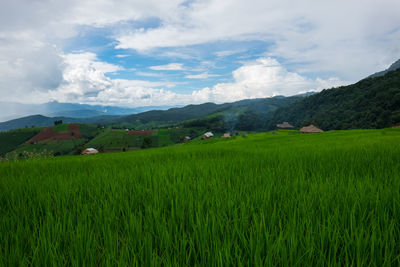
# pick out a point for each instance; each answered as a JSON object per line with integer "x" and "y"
{"x": 12, "y": 110}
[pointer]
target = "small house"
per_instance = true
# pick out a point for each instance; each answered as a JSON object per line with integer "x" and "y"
{"x": 226, "y": 135}
{"x": 90, "y": 151}
{"x": 186, "y": 138}
{"x": 208, "y": 135}
{"x": 284, "y": 126}
{"x": 311, "y": 129}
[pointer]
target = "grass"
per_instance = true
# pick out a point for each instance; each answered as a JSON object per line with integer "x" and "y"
{"x": 274, "y": 199}
{"x": 164, "y": 138}
{"x": 62, "y": 128}
{"x": 88, "y": 131}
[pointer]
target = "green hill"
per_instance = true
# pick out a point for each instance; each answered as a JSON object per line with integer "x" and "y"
{"x": 12, "y": 139}
{"x": 43, "y": 121}
{"x": 269, "y": 199}
{"x": 370, "y": 103}
{"x": 53, "y": 145}
{"x": 229, "y": 113}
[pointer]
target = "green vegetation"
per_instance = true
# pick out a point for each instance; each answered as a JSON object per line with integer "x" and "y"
{"x": 55, "y": 147}
{"x": 164, "y": 138}
{"x": 61, "y": 128}
{"x": 227, "y": 111}
{"x": 50, "y": 146}
{"x": 12, "y": 139}
{"x": 269, "y": 199}
{"x": 370, "y": 103}
{"x": 88, "y": 131}
{"x": 117, "y": 140}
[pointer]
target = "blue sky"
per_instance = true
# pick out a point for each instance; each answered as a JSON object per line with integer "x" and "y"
{"x": 148, "y": 53}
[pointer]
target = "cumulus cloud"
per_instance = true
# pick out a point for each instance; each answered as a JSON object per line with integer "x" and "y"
{"x": 27, "y": 66}
{"x": 84, "y": 80}
{"x": 264, "y": 77}
{"x": 352, "y": 38}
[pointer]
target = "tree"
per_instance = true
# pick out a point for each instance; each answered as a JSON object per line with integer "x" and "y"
{"x": 146, "y": 142}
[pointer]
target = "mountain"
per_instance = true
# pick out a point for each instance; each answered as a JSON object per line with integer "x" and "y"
{"x": 228, "y": 111}
{"x": 40, "y": 121}
{"x": 12, "y": 110}
{"x": 373, "y": 102}
{"x": 394, "y": 66}
{"x": 84, "y": 113}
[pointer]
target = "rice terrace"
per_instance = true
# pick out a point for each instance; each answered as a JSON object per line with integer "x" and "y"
{"x": 272, "y": 198}
{"x": 200, "y": 133}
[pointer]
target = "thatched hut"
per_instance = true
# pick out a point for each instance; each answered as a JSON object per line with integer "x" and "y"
{"x": 226, "y": 135}
{"x": 186, "y": 139}
{"x": 285, "y": 126}
{"x": 90, "y": 151}
{"x": 311, "y": 129}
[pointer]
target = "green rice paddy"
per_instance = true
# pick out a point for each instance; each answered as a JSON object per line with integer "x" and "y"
{"x": 270, "y": 199}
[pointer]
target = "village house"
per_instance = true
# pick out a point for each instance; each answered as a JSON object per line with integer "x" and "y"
{"x": 284, "y": 126}
{"x": 226, "y": 135}
{"x": 311, "y": 129}
{"x": 90, "y": 151}
{"x": 208, "y": 135}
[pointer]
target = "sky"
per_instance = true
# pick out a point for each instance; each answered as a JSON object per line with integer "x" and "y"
{"x": 152, "y": 52}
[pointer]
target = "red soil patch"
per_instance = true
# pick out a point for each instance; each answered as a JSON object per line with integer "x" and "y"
{"x": 140, "y": 133}
{"x": 49, "y": 134}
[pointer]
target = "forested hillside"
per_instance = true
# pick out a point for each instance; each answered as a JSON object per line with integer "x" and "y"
{"x": 370, "y": 103}
{"x": 230, "y": 115}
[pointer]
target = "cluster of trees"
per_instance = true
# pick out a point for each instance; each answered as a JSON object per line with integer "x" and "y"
{"x": 216, "y": 124}
{"x": 57, "y": 122}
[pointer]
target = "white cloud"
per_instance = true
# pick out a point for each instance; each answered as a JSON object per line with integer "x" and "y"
{"x": 170, "y": 66}
{"x": 148, "y": 74}
{"x": 121, "y": 56}
{"x": 352, "y": 39}
{"x": 204, "y": 75}
{"x": 264, "y": 77}
{"x": 27, "y": 66}
{"x": 84, "y": 81}
{"x": 226, "y": 53}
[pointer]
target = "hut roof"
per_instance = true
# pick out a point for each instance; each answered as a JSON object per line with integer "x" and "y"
{"x": 208, "y": 134}
{"x": 226, "y": 135}
{"x": 311, "y": 129}
{"x": 90, "y": 150}
{"x": 285, "y": 125}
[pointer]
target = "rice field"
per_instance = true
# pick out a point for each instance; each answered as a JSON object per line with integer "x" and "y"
{"x": 271, "y": 199}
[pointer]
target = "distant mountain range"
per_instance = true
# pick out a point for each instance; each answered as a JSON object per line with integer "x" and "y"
{"x": 40, "y": 121}
{"x": 11, "y": 110}
{"x": 155, "y": 118}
